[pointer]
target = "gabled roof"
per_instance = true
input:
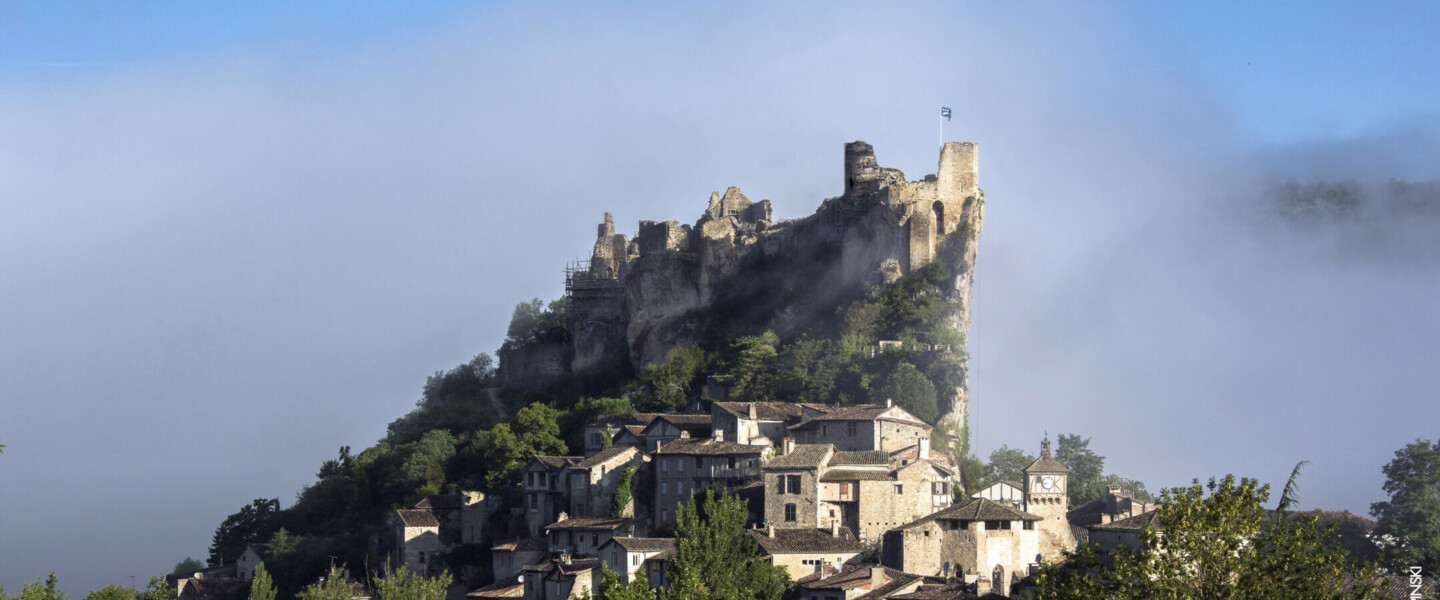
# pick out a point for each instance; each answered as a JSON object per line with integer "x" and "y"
{"x": 803, "y": 456}
{"x": 974, "y": 509}
{"x": 1045, "y": 464}
{"x": 903, "y": 582}
{"x": 416, "y": 518}
{"x": 949, "y": 591}
{"x": 1134, "y": 523}
{"x": 764, "y": 411}
{"x": 861, "y": 457}
{"x": 521, "y": 545}
{"x": 806, "y": 541}
{"x": 505, "y": 588}
{"x": 634, "y": 544}
{"x": 849, "y": 577}
{"x": 587, "y": 524}
{"x": 442, "y": 502}
{"x": 913, "y": 450}
{"x": 552, "y": 463}
{"x": 684, "y": 421}
{"x": 864, "y": 412}
{"x": 857, "y": 475}
{"x": 709, "y": 447}
{"x": 603, "y": 456}
{"x": 259, "y": 549}
{"x": 624, "y": 420}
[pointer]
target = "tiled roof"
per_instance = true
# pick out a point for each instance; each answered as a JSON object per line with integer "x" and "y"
{"x": 662, "y": 555}
{"x": 764, "y": 411}
{"x": 904, "y": 581}
{"x": 850, "y": 577}
{"x": 554, "y": 463}
{"x": 863, "y": 412}
{"x": 1045, "y": 464}
{"x": 416, "y": 518}
{"x": 506, "y": 588}
{"x": 587, "y": 524}
{"x": 1134, "y": 523}
{"x": 634, "y": 544}
{"x": 951, "y": 591}
{"x": 792, "y": 541}
{"x": 974, "y": 509}
{"x": 625, "y": 420}
{"x": 913, "y": 450}
{"x": 1081, "y": 533}
{"x": 442, "y": 502}
{"x": 861, "y": 457}
{"x": 686, "y": 420}
{"x": 856, "y": 475}
{"x": 602, "y": 456}
{"x": 521, "y": 545}
{"x": 577, "y": 565}
{"x": 708, "y": 446}
{"x": 804, "y": 456}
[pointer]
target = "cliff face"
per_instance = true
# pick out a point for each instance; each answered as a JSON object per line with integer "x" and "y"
{"x": 637, "y": 298}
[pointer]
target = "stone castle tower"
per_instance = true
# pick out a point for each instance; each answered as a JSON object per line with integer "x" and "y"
{"x": 637, "y": 298}
{"x": 1047, "y": 496}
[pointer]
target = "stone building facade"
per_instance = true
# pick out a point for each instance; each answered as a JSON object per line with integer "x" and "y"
{"x": 626, "y": 555}
{"x": 416, "y": 542}
{"x": 760, "y": 422}
{"x": 686, "y": 467}
{"x": 592, "y": 481}
{"x": 546, "y": 495}
{"x": 802, "y": 551}
{"x": 973, "y": 539}
{"x": 863, "y": 427}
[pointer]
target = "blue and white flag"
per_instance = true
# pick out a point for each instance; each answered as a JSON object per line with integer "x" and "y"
{"x": 945, "y": 112}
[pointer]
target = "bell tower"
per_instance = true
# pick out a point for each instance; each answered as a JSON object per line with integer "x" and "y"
{"x": 1047, "y": 496}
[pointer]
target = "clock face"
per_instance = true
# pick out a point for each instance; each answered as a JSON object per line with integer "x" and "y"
{"x": 1047, "y": 482}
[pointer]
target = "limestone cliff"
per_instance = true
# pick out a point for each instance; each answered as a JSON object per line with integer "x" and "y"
{"x": 637, "y": 298}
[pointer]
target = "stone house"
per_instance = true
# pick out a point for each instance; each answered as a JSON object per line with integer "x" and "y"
{"x": 760, "y": 422}
{"x": 545, "y": 493}
{"x": 507, "y": 557}
{"x": 1108, "y": 536}
{"x": 592, "y": 481}
{"x": 415, "y": 542}
{"x": 686, "y": 467}
{"x": 863, "y": 427}
{"x": 253, "y": 555}
{"x": 561, "y": 578}
{"x": 626, "y": 555}
{"x": 583, "y": 536}
{"x": 668, "y": 428}
{"x": 1117, "y": 504}
{"x": 803, "y": 551}
{"x": 609, "y": 426}
{"x": 462, "y": 515}
{"x": 868, "y": 492}
{"x": 632, "y": 436}
{"x": 973, "y": 539}
{"x": 854, "y": 581}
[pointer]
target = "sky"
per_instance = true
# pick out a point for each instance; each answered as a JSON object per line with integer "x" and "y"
{"x": 237, "y": 238}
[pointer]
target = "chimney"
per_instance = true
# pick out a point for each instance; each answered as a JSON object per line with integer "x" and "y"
{"x": 685, "y": 434}
{"x": 877, "y": 577}
{"x": 788, "y": 446}
{"x": 752, "y": 411}
{"x": 1113, "y": 489}
{"x": 719, "y": 435}
{"x": 887, "y": 403}
{"x": 563, "y": 516}
{"x": 982, "y": 586}
{"x": 770, "y": 531}
{"x": 835, "y": 528}
{"x": 924, "y": 448}
{"x": 565, "y": 558}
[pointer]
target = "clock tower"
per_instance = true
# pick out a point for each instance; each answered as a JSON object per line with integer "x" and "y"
{"x": 1047, "y": 497}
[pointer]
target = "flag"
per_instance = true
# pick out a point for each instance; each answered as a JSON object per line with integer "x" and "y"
{"x": 945, "y": 112}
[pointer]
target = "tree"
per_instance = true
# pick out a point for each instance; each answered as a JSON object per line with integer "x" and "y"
{"x": 405, "y": 585}
{"x": 332, "y": 587}
{"x": 754, "y": 370}
{"x": 254, "y": 522}
{"x": 188, "y": 567}
{"x": 1136, "y": 488}
{"x": 111, "y": 592}
{"x": 157, "y": 589}
{"x": 675, "y": 380}
{"x": 715, "y": 557}
{"x": 612, "y": 589}
{"x": 1085, "y": 467}
{"x": 1412, "y": 514}
{"x": 533, "y": 432}
{"x": 620, "y": 499}
{"x": 261, "y": 587}
{"x": 1214, "y": 546}
{"x": 48, "y": 590}
{"x": 1007, "y": 464}
{"x": 911, "y": 390}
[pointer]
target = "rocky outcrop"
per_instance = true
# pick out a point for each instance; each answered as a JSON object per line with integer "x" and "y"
{"x": 645, "y": 295}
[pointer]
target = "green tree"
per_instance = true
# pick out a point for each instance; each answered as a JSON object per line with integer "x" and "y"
{"x": 972, "y": 477}
{"x": 1086, "y": 468}
{"x": 673, "y": 382}
{"x": 910, "y": 389}
{"x": 1218, "y": 545}
{"x": 715, "y": 555}
{"x": 49, "y": 589}
{"x": 261, "y": 587}
{"x": 157, "y": 589}
{"x": 332, "y": 587}
{"x": 188, "y": 567}
{"x": 612, "y": 589}
{"x": 1136, "y": 488}
{"x": 1007, "y": 464}
{"x": 754, "y": 372}
{"x": 808, "y": 370}
{"x": 404, "y": 585}
{"x": 111, "y": 592}
{"x": 620, "y": 499}
{"x": 254, "y": 522}
{"x": 533, "y": 432}
{"x": 1412, "y": 514}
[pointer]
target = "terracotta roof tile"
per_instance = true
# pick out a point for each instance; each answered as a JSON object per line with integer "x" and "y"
{"x": 861, "y": 457}
{"x": 603, "y": 456}
{"x": 974, "y": 509}
{"x": 857, "y": 475}
{"x": 791, "y": 541}
{"x": 849, "y": 577}
{"x": 804, "y": 456}
{"x": 764, "y": 411}
{"x": 634, "y": 544}
{"x": 1045, "y": 464}
{"x": 506, "y": 588}
{"x": 554, "y": 463}
{"x": 416, "y": 518}
{"x": 708, "y": 446}
{"x": 587, "y": 524}
{"x": 1134, "y": 523}
{"x": 521, "y": 545}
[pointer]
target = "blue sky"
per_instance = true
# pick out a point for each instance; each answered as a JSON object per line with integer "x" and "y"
{"x": 242, "y": 237}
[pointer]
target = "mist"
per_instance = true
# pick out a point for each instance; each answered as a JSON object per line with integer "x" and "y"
{"x": 221, "y": 268}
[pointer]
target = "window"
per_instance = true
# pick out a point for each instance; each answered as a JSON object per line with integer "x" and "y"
{"x": 938, "y": 487}
{"x": 698, "y": 464}
{"x": 1029, "y": 525}
{"x": 792, "y": 484}
{"x": 595, "y": 439}
{"x": 595, "y": 539}
{"x": 850, "y": 429}
{"x": 844, "y": 489}
{"x": 899, "y": 489}
{"x": 680, "y": 465}
{"x": 822, "y": 431}
{"x": 664, "y": 463}
{"x": 790, "y": 513}
{"x": 634, "y": 560}
{"x": 664, "y": 488}
{"x": 664, "y": 515}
